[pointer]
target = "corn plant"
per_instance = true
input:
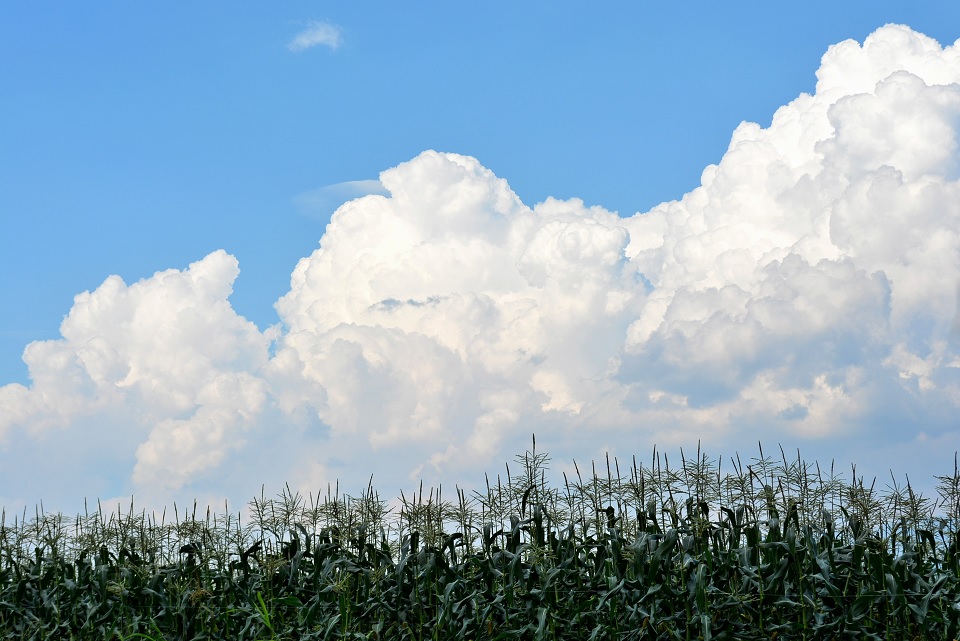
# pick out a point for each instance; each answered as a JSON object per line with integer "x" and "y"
{"x": 770, "y": 548}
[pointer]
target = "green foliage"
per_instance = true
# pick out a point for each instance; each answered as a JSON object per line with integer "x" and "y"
{"x": 773, "y": 549}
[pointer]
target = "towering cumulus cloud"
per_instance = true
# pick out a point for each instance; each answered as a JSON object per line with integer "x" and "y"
{"x": 805, "y": 293}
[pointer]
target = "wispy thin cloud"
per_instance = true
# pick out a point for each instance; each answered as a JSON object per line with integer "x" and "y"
{"x": 317, "y": 33}
{"x": 322, "y": 202}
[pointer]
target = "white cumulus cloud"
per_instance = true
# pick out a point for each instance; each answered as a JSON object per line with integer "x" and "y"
{"x": 805, "y": 293}
{"x": 317, "y": 33}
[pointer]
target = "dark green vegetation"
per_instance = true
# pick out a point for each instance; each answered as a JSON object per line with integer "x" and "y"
{"x": 774, "y": 549}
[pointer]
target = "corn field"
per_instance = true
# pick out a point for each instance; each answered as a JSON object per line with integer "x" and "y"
{"x": 773, "y": 548}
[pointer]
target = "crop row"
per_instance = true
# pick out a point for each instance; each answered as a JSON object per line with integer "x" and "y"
{"x": 774, "y": 549}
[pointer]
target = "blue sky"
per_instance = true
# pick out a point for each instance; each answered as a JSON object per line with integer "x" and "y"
{"x": 136, "y": 139}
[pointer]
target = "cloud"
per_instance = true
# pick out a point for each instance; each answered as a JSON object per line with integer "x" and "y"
{"x": 805, "y": 293}
{"x": 316, "y": 33}
{"x": 321, "y": 203}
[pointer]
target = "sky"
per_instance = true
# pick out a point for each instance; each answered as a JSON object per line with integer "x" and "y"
{"x": 248, "y": 244}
